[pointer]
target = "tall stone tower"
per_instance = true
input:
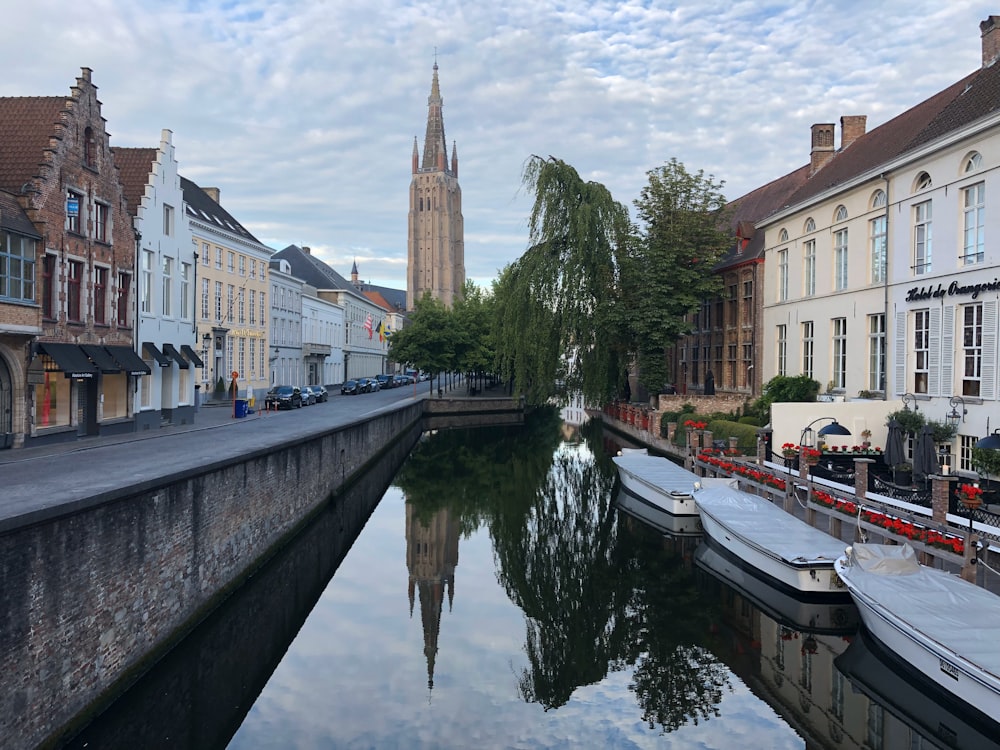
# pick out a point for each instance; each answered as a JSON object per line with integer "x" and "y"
{"x": 436, "y": 236}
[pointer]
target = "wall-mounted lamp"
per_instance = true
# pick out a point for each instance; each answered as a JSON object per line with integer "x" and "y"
{"x": 907, "y": 399}
{"x": 808, "y": 436}
{"x": 276, "y": 354}
{"x": 953, "y": 418}
{"x": 206, "y": 339}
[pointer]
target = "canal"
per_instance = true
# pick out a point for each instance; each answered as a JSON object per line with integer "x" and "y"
{"x": 497, "y": 597}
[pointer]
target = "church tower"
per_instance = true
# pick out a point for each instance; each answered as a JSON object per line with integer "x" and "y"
{"x": 435, "y": 258}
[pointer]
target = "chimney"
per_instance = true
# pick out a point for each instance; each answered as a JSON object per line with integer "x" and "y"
{"x": 852, "y": 127}
{"x": 990, "y": 30}
{"x": 214, "y": 194}
{"x": 822, "y": 146}
{"x": 307, "y": 250}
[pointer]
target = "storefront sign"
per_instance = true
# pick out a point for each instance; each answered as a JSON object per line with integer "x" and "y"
{"x": 954, "y": 289}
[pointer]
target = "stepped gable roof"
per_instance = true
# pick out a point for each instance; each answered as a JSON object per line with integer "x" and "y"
{"x": 13, "y": 218}
{"x": 201, "y": 207}
{"x": 27, "y": 124}
{"x": 958, "y": 106}
{"x": 134, "y": 167}
{"x": 312, "y": 270}
{"x": 749, "y": 209}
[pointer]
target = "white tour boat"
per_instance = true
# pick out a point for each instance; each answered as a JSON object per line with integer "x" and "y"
{"x": 775, "y": 543}
{"x": 932, "y": 621}
{"x": 806, "y": 614}
{"x": 658, "y": 482}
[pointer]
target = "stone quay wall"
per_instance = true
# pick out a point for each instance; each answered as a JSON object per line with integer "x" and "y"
{"x": 89, "y": 599}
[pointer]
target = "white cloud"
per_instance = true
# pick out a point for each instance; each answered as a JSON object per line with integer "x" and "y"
{"x": 304, "y": 114}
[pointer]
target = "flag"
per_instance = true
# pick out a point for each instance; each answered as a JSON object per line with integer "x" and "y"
{"x": 381, "y": 332}
{"x": 368, "y": 325}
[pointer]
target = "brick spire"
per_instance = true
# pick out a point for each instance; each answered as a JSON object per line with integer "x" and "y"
{"x": 435, "y": 146}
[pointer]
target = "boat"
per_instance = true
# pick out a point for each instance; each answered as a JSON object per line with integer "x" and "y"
{"x": 938, "y": 717}
{"x": 633, "y": 452}
{"x": 658, "y": 482}
{"x": 786, "y": 551}
{"x": 945, "y": 628}
{"x": 805, "y": 614}
{"x": 659, "y": 519}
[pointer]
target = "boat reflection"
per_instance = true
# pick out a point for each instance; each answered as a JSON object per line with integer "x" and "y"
{"x": 665, "y": 523}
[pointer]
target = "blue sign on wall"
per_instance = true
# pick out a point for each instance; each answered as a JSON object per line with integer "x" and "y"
{"x": 73, "y": 206}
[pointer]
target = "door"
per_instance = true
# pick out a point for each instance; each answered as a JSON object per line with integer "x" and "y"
{"x": 6, "y": 407}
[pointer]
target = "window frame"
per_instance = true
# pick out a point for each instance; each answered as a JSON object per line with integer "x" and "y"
{"x": 840, "y": 257}
{"x": 876, "y": 352}
{"x": 923, "y": 237}
{"x": 972, "y": 349}
{"x": 921, "y": 350}
{"x": 838, "y": 360}
{"x": 974, "y": 224}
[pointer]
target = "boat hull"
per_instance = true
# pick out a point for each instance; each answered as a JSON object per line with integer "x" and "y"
{"x": 654, "y": 515}
{"x": 637, "y": 478}
{"x": 941, "y": 665}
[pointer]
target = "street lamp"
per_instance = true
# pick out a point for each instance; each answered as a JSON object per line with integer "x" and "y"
{"x": 808, "y": 436}
{"x": 953, "y": 418}
{"x": 907, "y": 399}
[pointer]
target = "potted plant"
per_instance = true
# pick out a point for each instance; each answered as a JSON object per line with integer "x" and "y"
{"x": 789, "y": 450}
{"x": 866, "y": 438}
{"x": 811, "y": 456}
{"x": 970, "y": 495}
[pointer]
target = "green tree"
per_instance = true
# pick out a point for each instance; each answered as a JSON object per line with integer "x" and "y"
{"x": 472, "y": 323}
{"x": 556, "y": 305}
{"x": 428, "y": 341}
{"x": 668, "y": 271}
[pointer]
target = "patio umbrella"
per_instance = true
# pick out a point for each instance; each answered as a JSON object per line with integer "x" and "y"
{"x": 894, "y": 453}
{"x": 925, "y": 459}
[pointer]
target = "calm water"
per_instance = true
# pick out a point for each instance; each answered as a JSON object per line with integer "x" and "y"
{"x": 497, "y": 598}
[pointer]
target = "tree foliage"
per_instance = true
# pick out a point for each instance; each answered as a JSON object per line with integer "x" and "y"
{"x": 428, "y": 342}
{"x": 668, "y": 272}
{"x": 556, "y": 305}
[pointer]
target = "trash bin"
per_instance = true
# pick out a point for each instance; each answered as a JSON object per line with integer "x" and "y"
{"x": 197, "y": 397}
{"x": 241, "y": 408}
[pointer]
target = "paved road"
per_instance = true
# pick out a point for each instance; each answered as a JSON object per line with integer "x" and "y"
{"x": 35, "y": 481}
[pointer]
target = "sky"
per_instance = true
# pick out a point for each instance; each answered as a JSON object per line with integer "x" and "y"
{"x": 304, "y": 114}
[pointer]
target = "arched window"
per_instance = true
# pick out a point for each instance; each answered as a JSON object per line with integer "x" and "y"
{"x": 923, "y": 182}
{"x": 783, "y": 235}
{"x": 810, "y": 225}
{"x": 841, "y": 214}
{"x": 973, "y": 162}
{"x": 878, "y": 199}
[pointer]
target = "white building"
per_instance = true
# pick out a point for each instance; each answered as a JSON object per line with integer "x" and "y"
{"x": 286, "y": 325}
{"x": 322, "y": 339}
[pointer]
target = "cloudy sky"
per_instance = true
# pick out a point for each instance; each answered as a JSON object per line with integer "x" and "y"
{"x": 304, "y": 113}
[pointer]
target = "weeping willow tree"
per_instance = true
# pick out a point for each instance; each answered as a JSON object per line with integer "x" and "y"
{"x": 557, "y": 318}
{"x": 668, "y": 272}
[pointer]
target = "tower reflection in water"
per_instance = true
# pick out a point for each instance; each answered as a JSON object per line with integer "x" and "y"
{"x": 814, "y": 665}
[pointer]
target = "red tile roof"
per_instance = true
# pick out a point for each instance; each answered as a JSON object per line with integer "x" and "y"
{"x": 27, "y": 123}
{"x": 134, "y": 166}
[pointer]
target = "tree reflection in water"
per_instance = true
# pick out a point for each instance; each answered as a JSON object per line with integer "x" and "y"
{"x": 597, "y": 597}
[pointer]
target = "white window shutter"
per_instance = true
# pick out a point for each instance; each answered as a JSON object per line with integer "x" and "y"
{"x": 988, "y": 383}
{"x": 934, "y": 380}
{"x": 899, "y": 366}
{"x": 948, "y": 350}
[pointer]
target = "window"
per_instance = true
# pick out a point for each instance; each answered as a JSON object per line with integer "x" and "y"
{"x": 231, "y": 262}
{"x": 810, "y": 225}
{"x": 89, "y": 149}
{"x": 974, "y": 209}
{"x": 253, "y": 356}
{"x": 921, "y": 349}
{"x": 124, "y": 298}
{"x": 966, "y": 444}
{"x": 17, "y": 267}
{"x": 204, "y": 299}
{"x": 168, "y": 286}
{"x": 731, "y": 363}
{"x": 102, "y": 215}
{"x": 733, "y": 302}
{"x": 972, "y": 348}
{"x": 809, "y": 267}
{"x": 168, "y": 220}
{"x": 782, "y": 350}
{"x": 747, "y": 364}
{"x": 146, "y": 292}
{"x": 186, "y": 291}
{"x": 878, "y": 199}
{"x": 243, "y": 355}
{"x": 924, "y": 182}
{"x": 782, "y": 275}
{"x": 243, "y": 265}
{"x": 841, "y": 214}
{"x": 808, "y": 343}
{"x": 253, "y": 309}
{"x": 783, "y": 235}
{"x": 877, "y": 245}
{"x": 218, "y": 258}
{"x": 74, "y": 278}
{"x": 262, "y": 307}
{"x": 253, "y": 269}
{"x": 876, "y": 352}
{"x": 839, "y": 352}
{"x": 922, "y": 238}
{"x": 206, "y": 254}
{"x": 242, "y": 308}
{"x": 74, "y": 206}
{"x": 230, "y": 302}
{"x": 100, "y": 295}
{"x": 218, "y": 301}
{"x": 48, "y": 287}
{"x": 973, "y": 163}
{"x": 748, "y": 302}
{"x": 840, "y": 259}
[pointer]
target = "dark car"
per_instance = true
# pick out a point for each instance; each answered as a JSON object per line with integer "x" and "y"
{"x": 385, "y": 381}
{"x": 308, "y": 397}
{"x": 320, "y": 393}
{"x": 284, "y": 397}
{"x": 350, "y": 388}
{"x": 373, "y": 385}
{"x": 400, "y": 380}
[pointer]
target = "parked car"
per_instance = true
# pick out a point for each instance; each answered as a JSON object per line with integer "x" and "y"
{"x": 308, "y": 397}
{"x": 350, "y": 388}
{"x": 401, "y": 380}
{"x": 284, "y": 397}
{"x": 385, "y": 381}
{"x": 320, "y": 392}
{"x": 373, "y": 385}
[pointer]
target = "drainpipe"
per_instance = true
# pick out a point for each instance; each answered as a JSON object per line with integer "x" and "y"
{"x": 885, "y": 293}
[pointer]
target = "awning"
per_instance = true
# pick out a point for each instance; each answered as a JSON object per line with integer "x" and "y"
{"x": 130, "y": 361}
{"x": 101, "y": 357}
{"x": 161, "y": 359}
{"x": 70, "y": 359}
{"x": 192, "y": 357}
{"x": 171, "y": 351}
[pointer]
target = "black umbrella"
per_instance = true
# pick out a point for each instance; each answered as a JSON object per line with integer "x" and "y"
{"x": 925, "y": 459}
{"x": 894, "y": 453}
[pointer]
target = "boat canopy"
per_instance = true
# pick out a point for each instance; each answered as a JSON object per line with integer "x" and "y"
{"x": 885, "y": 560}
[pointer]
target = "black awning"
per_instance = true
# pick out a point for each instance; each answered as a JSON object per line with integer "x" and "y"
{"x": 101, "y": 357}
{"x": 70, "y": 359}
{"x": 171, "y": 351}
{"x": 161, "y": 359}
{"x": 130, "y": 361}
{"x": 192, "y": 357}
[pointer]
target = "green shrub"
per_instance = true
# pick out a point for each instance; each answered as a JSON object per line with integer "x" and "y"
{"x": 909, "y": 421}
{"x": 746, "y": 434}
{"x": 751, "y": 420}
